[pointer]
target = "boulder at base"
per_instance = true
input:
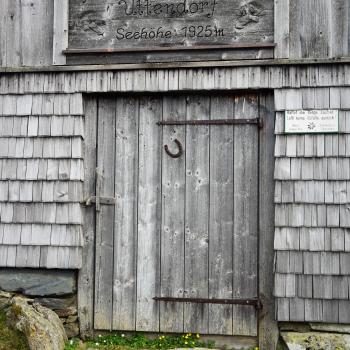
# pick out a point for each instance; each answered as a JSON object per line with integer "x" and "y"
{"x": 41, "y": 326}
{"x": 316, "y": 341}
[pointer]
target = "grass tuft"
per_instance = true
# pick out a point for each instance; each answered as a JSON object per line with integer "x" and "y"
{"x": 121, "y": 341}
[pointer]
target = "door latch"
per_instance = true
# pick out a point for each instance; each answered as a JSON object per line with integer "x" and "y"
{"x": 98, "y": 200}
{"x": 102, "y": 200}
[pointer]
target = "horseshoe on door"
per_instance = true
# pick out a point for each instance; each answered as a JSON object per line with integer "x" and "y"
{"x": 174, "y": 155}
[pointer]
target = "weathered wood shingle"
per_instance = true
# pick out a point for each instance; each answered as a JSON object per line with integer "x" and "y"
{"x": 312, "y": 220}
{"x": 41, "y": 180}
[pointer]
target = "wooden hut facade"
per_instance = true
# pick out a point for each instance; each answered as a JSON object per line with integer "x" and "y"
{"x": 144, "y": 152}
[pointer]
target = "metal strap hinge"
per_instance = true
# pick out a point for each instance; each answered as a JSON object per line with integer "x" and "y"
{"x": 253, "y": 121}
{"x": 248, "y": 302}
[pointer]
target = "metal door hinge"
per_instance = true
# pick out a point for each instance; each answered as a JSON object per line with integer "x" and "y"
{"x": 253, "y": 121}
{"x": 248, "y": 302}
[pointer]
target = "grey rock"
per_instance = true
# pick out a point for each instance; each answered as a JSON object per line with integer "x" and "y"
{"x": 316, "y": 341}
{"x": 63, "y": 320}
{"x": 58, "y": 303}
{"x": 72, "y": 330}
{"x": 72, "y": 319}
{"x": 70, "y": 311}
{"x": 336, "y": 328}
{"x": 38, "y": 282}
{"x": 294, "y": 327}
{"x": 5, "y": 300}
{"x": 41, "y": 326}
{"x": 5, "y": 295}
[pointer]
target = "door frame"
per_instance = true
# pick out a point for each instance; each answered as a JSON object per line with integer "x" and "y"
{"x": 267, "y": 326}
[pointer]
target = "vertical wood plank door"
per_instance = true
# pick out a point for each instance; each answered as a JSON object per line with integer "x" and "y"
{"x": 184, "y": 227}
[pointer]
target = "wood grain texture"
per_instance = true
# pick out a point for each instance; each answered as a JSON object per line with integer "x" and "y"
{"x": 110, "y": 77}
{"x": 217, "y": 54}
{"x": 221, "y": 214}
{"x": 173, "y": 212}
{"x": 148, "y": 249}
{"x": 267, "y": 326}
{"x": 246, "y": 153}
{"x": 196, "y": 216}
{"x": 126, "y": 194}
{"x": 309, "y": 164}
{"x": 60, "y": 31}
{"x": 104, "y": 226}
{"x": 325, "y": 35}
{"x": 36, "y": 32}
{"x": 167, "y": 197}
{"x": 10, "y": 44}
{"x": 164, "y": 25}
{"x": 282, "y": 29}
{"x": 86, "y": 278}
{"x": 310, "y": 218}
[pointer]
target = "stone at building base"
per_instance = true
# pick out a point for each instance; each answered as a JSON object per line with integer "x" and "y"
{"x": 41, "y": 326}
{"x": 72, "y": 330}
{"x": 68, "y": 316}
{"x": 38, "y": 282}
{"x": 53, "y": 289}
{"x": 59, "y": 303}
{"x": 324, "y": 327}
{"x": 316, "y": 341}
{"x": 5, "y": 300}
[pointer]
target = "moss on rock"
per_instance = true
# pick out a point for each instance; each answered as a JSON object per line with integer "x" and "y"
{"x": 41, "y": 326}
{"x": 10, "y": 338}
{"x": 317, "y": 341}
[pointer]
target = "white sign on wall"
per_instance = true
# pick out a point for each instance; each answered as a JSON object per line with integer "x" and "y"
{"x": 311, "y": 121}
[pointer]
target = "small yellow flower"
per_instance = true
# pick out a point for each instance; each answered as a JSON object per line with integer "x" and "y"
{"x": 186, "y": 342}
{"x": 256, "y": 348}
{"x": 197, "y": 335}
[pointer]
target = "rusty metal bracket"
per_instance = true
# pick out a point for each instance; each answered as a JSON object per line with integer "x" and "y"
{"x": 102, "y": 200}
{"x": 249, "y": 302}
{"x": 254, "y": 121}
{"x": 97, "y": 199}
{"x": 174, "y": 155}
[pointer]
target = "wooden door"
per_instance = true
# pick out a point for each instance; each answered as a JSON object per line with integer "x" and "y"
{"x": 183, "y": 227}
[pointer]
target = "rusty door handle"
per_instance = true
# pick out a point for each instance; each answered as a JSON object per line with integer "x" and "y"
{"x": 174, "y": 155}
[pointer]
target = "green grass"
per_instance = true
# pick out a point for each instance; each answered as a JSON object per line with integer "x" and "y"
{"x": 9, "y": 338}
{"x": 121, "y": 341}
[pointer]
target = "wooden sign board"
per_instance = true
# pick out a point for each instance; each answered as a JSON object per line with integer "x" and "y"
{"x": 143, "y": 25}
{"x": 312, "y": 121}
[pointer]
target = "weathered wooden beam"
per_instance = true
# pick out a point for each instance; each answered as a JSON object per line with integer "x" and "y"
{"x": 175, "y": 65}
{"x": 86, "y": 275}
{"x": 60, "y": 31}
{"x": 268, "y": 330}
{"x": 171, "y": 48}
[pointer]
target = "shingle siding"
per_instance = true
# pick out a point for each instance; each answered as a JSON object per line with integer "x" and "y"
{"x": 42, "y": 173}
{"x": 41, "y": 180}
{"x": 312, "y": 217}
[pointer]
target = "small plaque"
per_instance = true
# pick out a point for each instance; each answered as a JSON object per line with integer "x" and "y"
{"x": 311, "y": 121}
